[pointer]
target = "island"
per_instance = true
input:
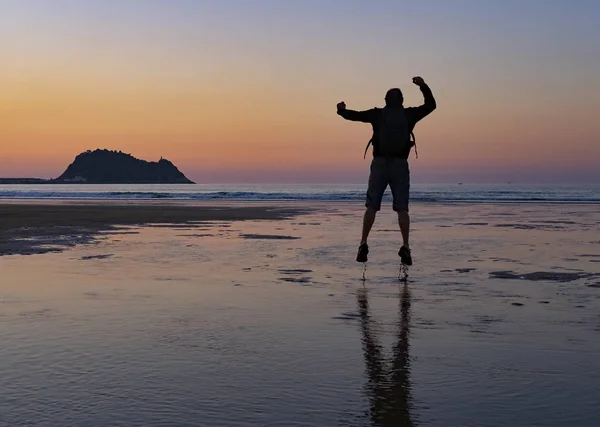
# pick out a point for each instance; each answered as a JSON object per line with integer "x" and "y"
{"x": 103, "y": 166}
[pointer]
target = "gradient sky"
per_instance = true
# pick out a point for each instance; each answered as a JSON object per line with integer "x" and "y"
{"x": 245, "y": 91}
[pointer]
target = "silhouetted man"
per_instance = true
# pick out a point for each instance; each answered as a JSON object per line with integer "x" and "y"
{"x": 392, "y": 131}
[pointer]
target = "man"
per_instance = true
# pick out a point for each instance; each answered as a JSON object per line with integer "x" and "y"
{"x": 392, "y": 128}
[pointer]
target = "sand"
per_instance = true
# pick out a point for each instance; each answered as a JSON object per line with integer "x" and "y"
{"x": 266, "y": 322}
{"x": 39, "y": 227}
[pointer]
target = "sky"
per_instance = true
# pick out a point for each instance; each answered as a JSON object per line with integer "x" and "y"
{"x": 246, "y": 90}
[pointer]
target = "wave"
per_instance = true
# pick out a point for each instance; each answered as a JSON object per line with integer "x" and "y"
{"x": 333, "y": 196}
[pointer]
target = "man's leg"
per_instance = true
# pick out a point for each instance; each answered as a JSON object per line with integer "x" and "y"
{"x": 400, "y": 184}
{"x": 368, "y": 220}
{"x": 404, "y": 223}
{"x": 378, "y": 182}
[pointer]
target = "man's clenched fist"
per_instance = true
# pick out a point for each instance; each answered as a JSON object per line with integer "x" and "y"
{"x": 418, "y": 81}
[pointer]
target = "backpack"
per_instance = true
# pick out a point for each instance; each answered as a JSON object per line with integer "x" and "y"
{"x": 394, "y": 136}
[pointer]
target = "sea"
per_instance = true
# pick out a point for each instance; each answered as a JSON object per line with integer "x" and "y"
{"x": 426, "y": 193}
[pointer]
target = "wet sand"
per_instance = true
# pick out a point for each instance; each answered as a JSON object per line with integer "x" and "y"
{"x": 269, "y": 323}
{"x": 37, "y": 227}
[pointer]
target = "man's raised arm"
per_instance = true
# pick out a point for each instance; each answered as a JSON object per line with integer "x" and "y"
{"x": 429, "y": 105}
{"x": 356, "y": 116}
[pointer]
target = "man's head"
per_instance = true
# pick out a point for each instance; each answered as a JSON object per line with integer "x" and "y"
{"x": 394, "y": 98}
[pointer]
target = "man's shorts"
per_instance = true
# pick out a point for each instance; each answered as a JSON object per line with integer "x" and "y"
{"x": 392, "y": 171}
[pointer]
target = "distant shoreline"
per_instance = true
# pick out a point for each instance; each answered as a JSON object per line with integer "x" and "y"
{"x": 37, "y": 181}
{"x": 9, "y": 181}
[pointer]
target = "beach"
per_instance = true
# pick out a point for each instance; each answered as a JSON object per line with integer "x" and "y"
{"x": 30, "y": 227}
{"x": 183, "y": 313}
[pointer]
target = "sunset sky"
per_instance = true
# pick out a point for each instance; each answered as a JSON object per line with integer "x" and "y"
{"x": 245, "y": 91}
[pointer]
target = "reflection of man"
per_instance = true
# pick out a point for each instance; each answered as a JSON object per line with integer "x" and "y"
{"x": 389, "y": 388}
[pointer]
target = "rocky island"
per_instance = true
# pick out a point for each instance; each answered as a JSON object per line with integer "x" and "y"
{"x": 111, "y": 167}
{"x": 116, "y": 167}
{"x": 103, "y": 166}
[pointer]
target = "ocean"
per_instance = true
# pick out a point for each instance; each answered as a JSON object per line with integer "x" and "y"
{"x": 438, "y": 193}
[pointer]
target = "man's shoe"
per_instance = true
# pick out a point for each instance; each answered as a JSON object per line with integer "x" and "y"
{"x": 363, "y": 251}
{"x": 404, "y": 254}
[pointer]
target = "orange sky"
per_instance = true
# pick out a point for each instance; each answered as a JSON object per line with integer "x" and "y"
{"x": 238, "y": 107}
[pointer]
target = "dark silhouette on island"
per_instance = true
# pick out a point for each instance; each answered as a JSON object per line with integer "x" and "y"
{"x": 112, "y": 167}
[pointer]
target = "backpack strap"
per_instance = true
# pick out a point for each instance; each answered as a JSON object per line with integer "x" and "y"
{"x": 414, "y": 141}
{"x": 367, "y": 147}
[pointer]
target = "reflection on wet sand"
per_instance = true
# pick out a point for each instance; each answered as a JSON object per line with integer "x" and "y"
{"x": 388, "y": 386}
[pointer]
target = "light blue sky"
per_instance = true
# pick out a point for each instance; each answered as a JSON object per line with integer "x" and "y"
{"x": 489, "y": 61}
